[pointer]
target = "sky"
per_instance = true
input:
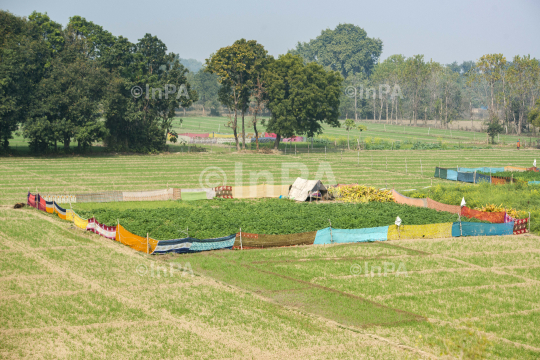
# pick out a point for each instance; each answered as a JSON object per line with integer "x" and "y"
{"x": 458, "y": 30}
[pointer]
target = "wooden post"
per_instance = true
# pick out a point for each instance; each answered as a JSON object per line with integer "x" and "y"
{"x": 460, "y": 228}
{"x": 241, "y": 248}
{"x": 331, "y": 239}
{"x": 421, "y": 171}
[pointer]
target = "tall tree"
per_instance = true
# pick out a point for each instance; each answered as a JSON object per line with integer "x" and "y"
{"x": 524, "y": 74}
{"x": 416, "y": 73}
{"x": 238, "y": 66}
{"x": 207, "y": 87}
{"x": 346, "y": 49}
{"x": 301, "y": 97}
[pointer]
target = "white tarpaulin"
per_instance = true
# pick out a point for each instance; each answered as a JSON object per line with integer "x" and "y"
{"x": 302, "y": 188}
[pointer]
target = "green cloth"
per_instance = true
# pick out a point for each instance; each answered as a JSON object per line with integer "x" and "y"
{"x": 193, "y": 195}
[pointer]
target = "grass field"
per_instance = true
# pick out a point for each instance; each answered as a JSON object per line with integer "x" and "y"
{"x": 65, "y": 293}
{"x": 375, "y": 130}
{"x": 70, "y": 294}
{"x": 400, "y": 169}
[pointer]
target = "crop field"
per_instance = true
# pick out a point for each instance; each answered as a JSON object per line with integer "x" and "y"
{"x": 66, "y": 293}
{"x": 401, "y": 170}
{"x": 375, "y": 130}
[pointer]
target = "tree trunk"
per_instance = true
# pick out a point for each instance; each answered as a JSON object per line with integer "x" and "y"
{"x": 348, "y": 145}
{"x": 256, "y": 132}
{"x": 243, "y": 132}
{"x": 67, "y": 141}
{"x": 276, "y": 143}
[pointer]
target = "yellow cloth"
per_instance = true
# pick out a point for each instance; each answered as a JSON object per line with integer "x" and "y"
{"x": 79, "y": 221}
{"x": 50, "y": 210}
{"x": 61, "y": 216}
{"x": 69, "y": 215}
{"x": 432, "y": 231}
{"x": 135, "y": 242}
{"x": 514, "y": 168}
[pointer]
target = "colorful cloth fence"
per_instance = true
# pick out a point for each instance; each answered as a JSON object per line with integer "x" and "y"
{"x": 432, "y": 204}
{"x": 432, "y": 231}
{"x": 465, "y": 177}
{"x": 402, "y": 199}
{"x": 481, "y": 229}
{"x": 263, "y": 241}
{"x": 337, "y": 236}
{"x": 492, "y": 217}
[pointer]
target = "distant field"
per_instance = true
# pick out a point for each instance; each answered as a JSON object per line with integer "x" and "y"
{"x": 403, "y": 170}
{"x": 375, "y": 130}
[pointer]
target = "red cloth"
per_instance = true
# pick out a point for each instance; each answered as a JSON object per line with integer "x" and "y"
{"x": 31, "y": 201}
{"x": 42, "y": 204}
{"x": 492, "y": 217}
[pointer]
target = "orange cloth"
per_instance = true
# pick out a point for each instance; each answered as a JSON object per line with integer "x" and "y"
{"x": 135, "y": 242}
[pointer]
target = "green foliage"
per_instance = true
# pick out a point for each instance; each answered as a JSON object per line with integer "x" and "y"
{"x": 214, "y": 218}
{"x": 494, "y": 128}
{"x": 346, "y": 49}
{"x": 301, "y": 97}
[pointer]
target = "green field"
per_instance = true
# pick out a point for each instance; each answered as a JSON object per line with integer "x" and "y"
{"x": 375, "y": 130}
{"x": 402, "y": 170}
{"x": 66, "y": 293}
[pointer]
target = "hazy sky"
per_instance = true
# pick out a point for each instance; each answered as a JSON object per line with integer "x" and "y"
{"x": 455, "y": 30}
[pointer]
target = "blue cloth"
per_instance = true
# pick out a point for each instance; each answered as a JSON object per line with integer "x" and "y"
{"x": 189, "y": 245}
{"x": 482, "y": 229}
{"x": 451, "y": 175}
{"x": 534, "y": 182}
{"x": 351, "y": 235}
{"x": 226, "y": 242}
{"x": 482, "y": 178}
{"x": 465, "y": 177}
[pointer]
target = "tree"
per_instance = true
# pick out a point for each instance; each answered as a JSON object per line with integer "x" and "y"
{"x": 534, "y": 114}
{"x": 301, "y": 97}
{"x": 416, "y": 73}
{"x": 346, "y": 49}
{"x": 207, "y": 87}
{"x": 488, "y": 71}
{"x": 524, "y": 74}
{"x": 494, "y": 128}
{"x": 24, "y": 54}
{"x": 237, "y": 67}
{"x": 349, "y": 125}
{"x": 68, "y": 99}
{"x": 140, "y": 120}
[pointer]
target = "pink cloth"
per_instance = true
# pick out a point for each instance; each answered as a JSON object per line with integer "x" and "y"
{"x": 293, "y": 139}
{"x": 195, "y": 135}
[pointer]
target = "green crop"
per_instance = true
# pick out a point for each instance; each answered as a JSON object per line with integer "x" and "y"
{"x": 220, "y": 217}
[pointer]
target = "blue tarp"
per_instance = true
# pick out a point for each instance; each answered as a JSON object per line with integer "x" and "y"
{"x": 451, "y": 175}
{"x": 351, "y": 235}
{"x": 465, "y": 177}
{"x": 481, "y": 229}
{"x": 483, "y": 169}
{"x": 534, "y": 182}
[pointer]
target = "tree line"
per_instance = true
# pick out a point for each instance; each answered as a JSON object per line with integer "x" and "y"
{"x": 80, "y": 83}
{"x": 75, "y": 84}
